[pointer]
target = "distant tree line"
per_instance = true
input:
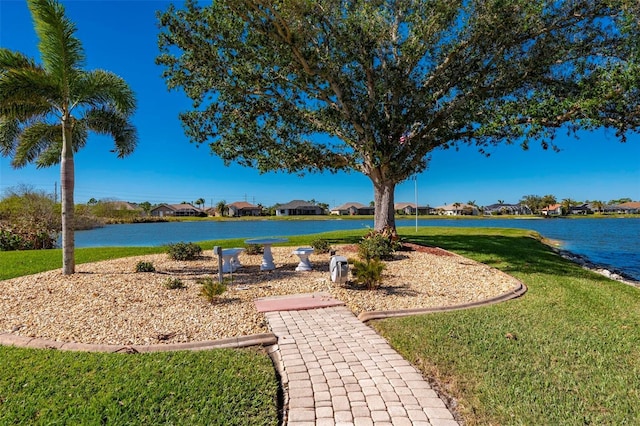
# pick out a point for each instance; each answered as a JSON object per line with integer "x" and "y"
{"x": 30, "y": 219}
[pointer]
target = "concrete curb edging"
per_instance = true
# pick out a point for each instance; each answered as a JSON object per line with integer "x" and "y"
{"x": 265, "y": 339}
{"x": 514, "y": 293}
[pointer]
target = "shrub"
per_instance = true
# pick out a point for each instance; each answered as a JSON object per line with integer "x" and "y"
{"x": 184, "y": 251}
{"x": 253, "y": 249}
{"x": 143, "y": 266}
{"x": 174, "y": 283}
{"x": 211, "y": 289}
{"x": 29, "y": 219}
{"x": 377, "y": 245}
{"x": 321, "y": 246}
{"x": 368, "y": 273}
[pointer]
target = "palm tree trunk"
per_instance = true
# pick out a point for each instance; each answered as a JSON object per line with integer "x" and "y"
{"x": 67, "y": 179}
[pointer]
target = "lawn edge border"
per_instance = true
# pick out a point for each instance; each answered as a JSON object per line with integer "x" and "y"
{"x": 514, "y": 293}
{"x": 264, "y": 339}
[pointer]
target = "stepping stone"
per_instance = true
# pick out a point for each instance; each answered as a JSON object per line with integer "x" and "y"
{"x": 295, "y": 302}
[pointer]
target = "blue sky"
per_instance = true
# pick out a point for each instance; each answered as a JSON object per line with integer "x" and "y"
{"x": 120, "y": 36}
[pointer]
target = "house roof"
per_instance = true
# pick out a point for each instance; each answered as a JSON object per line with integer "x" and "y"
{"x": 454, "y": 208}
{"x": 347, "y": 206}
{"x": 177, "y": 207}
{"x": 243, "y": 205}
{"x": 552, "y": 207}
{"x": 501, "y": 205}
{"x": 296, "y": 204}
{"x": 400, "y": 206}
{"x": 629, "y": 205}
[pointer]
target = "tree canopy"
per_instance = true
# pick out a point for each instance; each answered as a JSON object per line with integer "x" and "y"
{"x": 375, "y": 86}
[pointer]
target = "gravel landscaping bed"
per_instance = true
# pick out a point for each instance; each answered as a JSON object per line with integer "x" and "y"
{"x": 108, "y": 303}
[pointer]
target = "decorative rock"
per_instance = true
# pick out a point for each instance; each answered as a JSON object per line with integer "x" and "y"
{"x": 108, "y": 303}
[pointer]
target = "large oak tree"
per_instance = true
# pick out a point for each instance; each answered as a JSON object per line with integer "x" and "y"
{"x": 48, "y": 109}
{"x": 389, "y": 81}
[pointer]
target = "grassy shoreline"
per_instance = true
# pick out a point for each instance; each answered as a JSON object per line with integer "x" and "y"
{"x": 567, "y": 352}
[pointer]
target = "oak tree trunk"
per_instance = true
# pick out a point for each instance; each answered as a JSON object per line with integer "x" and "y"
{"x": 67, "y": 180}
{"x": 383, "y": 196}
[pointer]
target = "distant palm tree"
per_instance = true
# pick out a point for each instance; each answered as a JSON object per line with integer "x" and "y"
{"x": 200, "y": 202}
{"x": 457, "y": 206}
{"x": 599, "y": 205}
{"x": 221, "y": 207}
{"x": 567, "y": 203}
{"x": 46, "y": 111}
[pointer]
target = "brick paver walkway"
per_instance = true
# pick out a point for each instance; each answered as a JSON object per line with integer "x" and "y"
{"x": 338, "y": 371}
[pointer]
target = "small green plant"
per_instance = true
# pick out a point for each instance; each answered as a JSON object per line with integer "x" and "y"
{"x": 321, "y": 246}
{"x": 368, "y": 273}
{"x": 253, "y": 249}
{"x": 143, "y": 266}
{"x": 378, "y": 245}
{"x": 184, "y": 251}
{"x": 211, "y": 289}
{"x": 174, "y": 283}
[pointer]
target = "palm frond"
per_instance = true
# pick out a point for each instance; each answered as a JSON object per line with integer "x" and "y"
{"x": 109, "y": 122}
{"x": 60, "y": 50}
{"x": 9, "y": 132}
{"x": 10, "y": 59}
{"x": 53, "y": 153}
{"x": 105, "y": 89}
{"x": 33, "y": 140}
{"x": 27, "y": 92}
{"x": 41, "y": 143}
{"x": 49, "y": 156}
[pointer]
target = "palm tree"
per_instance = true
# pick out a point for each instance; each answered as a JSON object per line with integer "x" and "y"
{"x": 599, "y": 205}
{"x": 221, "y": 207}
{"x": 200, "y": 202}
{"x": 48, "y": 109}
{"x": 567, "y": 203}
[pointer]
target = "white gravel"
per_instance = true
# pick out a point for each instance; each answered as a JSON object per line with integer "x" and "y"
{"x": 107, "y": 303}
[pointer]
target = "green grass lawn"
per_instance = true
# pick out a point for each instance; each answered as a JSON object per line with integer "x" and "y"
{"x": 217, "y": 387}
{"x": 567, "y": 352}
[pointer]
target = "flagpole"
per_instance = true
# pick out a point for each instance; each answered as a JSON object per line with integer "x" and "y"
{"x": 415, "y": 180}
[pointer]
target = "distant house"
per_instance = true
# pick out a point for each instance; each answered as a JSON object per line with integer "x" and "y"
{"x": 352, "y": 209}
{"x": 583, "y": 209}
{"x": 457, "y": 209}
{"x": 176, "y": 210}
{"x": 604, "y": 208}
{"x": 410, "y": 209}
{"x": 299, "y": 208}
{"x": 511, "y": 209}
{"x": 242, "y": 208}
{"x": 405, "y": 208}
{"x": 632, "y": 207}
{"x": 552, "y": 210}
